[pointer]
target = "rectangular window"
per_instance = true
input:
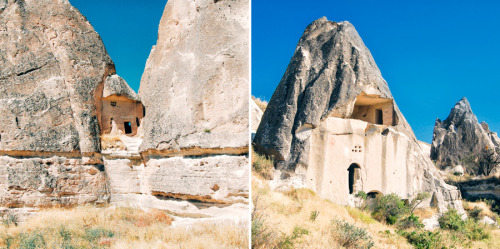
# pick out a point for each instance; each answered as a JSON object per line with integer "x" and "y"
{"x": 113, "y": 103}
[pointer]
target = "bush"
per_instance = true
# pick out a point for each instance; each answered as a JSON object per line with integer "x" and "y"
{"x": 314, "y": 215}
{"x": 94, "y": 234}
{"x": 469, "y": 228}
{"x": 10, "y": 218}
{"x": 32, "y": 240}
{"x": 451, "y": 220}
{"x": 288, "y": 242}
{"x": 423, "y": 239}
{"x": 410, "y": 222}
{"x": 390, "y": 208}
{"x": 263, "y": 165}
{"x": 350, "y": 236}
{"x": 475, "y": 213}
{"x": 475, "y": 231}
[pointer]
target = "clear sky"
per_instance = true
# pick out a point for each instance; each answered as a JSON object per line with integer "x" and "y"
{"x": 129, "y": 28}
{"x": 431, "y": 53}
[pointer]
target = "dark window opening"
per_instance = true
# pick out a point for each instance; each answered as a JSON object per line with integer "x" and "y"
{"x": 137, "y": 121}
{"x": 113, "y": 103}
{"x": 17, "y": 123}
{"x": 143, "y": 111}
{"x": 353, "y": 177}
{"x": 379, "y": 117}
{"x": 111, "y": 121}
{"x": 128, "y": 127}
{"x": 0, "y": 137}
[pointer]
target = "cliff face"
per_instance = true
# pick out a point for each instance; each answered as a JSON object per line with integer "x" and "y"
{"x": 460, "y": 136}
{"x": 334, "y": 127}
{"x": 195, "y": 92}
{"x": 52, "y": 68}
{"x": 195, "y": 85}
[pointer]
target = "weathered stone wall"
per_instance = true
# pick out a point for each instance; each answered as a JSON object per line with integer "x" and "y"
{"x": 51, "y": 181}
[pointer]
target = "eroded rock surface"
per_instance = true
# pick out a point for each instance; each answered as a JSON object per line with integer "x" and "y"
{"x": 195, "y": 85}
{"x": 52, "y": 69}
{"x": 333, "y": 126}
{"x": 54, "y": 181}
{"x": 460, "y": 136}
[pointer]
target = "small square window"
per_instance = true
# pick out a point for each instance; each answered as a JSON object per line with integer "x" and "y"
{"x": 113, "y": 103}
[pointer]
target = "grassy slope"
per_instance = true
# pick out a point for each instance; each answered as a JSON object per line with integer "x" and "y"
{"x": 91, "y": 227}
{"x": 284, "y": 211}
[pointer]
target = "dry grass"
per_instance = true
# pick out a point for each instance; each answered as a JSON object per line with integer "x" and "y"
{"x": 284, "y": 211}
{"x": 86, "y": 227}
{"x": 262, "y": 165}
{"x": 425, "y": 213}
{"x": 486, "y": 210}
{"x": 109, "y": 142}
{"x": 262, "y": 104}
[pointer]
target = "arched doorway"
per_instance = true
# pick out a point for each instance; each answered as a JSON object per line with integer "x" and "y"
{"x": 354, "y": 177}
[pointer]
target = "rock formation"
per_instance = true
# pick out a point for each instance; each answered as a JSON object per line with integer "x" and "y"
{"x": 333, "y": 126}
{"x": 52, "y": 71}
{"x": 256, "y": 115}
{"x": 70, "y": 127}
{"x": 195, "y": 92}
{"x": 460, "y": 136}
{"x": 195, "y": 85}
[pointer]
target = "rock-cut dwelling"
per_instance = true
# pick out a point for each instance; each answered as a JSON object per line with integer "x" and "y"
{"x": 122, "y": 110}
{"x": 333, "y": 126}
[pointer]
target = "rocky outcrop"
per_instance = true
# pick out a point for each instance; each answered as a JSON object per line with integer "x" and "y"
{"x": 52, "y": 71}
{"x": 333, "y": 126}
{"x": 460, "y": 136}
{"x": 195, "y": 85}
{"x": 195, "y": 92}
{"x": 116, "y": 85}
{"x": 256, "y": 115}
{"x": 53, "y": 66}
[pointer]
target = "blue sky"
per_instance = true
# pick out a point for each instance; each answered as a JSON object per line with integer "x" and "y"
{"x": 129, "y": 28}
{"x": 431, "y": 53}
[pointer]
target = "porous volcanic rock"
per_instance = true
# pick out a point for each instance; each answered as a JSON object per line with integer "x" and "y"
{"x": 195, "y": 85}
{"x": 460, "y": 136}
{"x": 315, "y": 128}
{"x": 52, "y": 69}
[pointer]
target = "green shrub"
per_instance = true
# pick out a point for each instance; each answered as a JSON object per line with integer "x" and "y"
{"x": 475, "y": 231}
{"x": 314, "y": 215}
{"x": 32, "y": 240}
{"x": 451, "y": 220}
{"x": 350, "y": 236}
{"x": 475, "y": 213}
{"x": 410, "y": 222}
{"x": 95, "y": 234}
{"x": 263, "y": 165}
{"x": 10, "y": 218}
{"x": 423, "y": 239}
{"x": 288, "y": 242}
{"x": 390, "y": 208}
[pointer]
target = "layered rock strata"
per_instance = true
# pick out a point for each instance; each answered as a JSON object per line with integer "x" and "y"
{"x": 333, "y": 126}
